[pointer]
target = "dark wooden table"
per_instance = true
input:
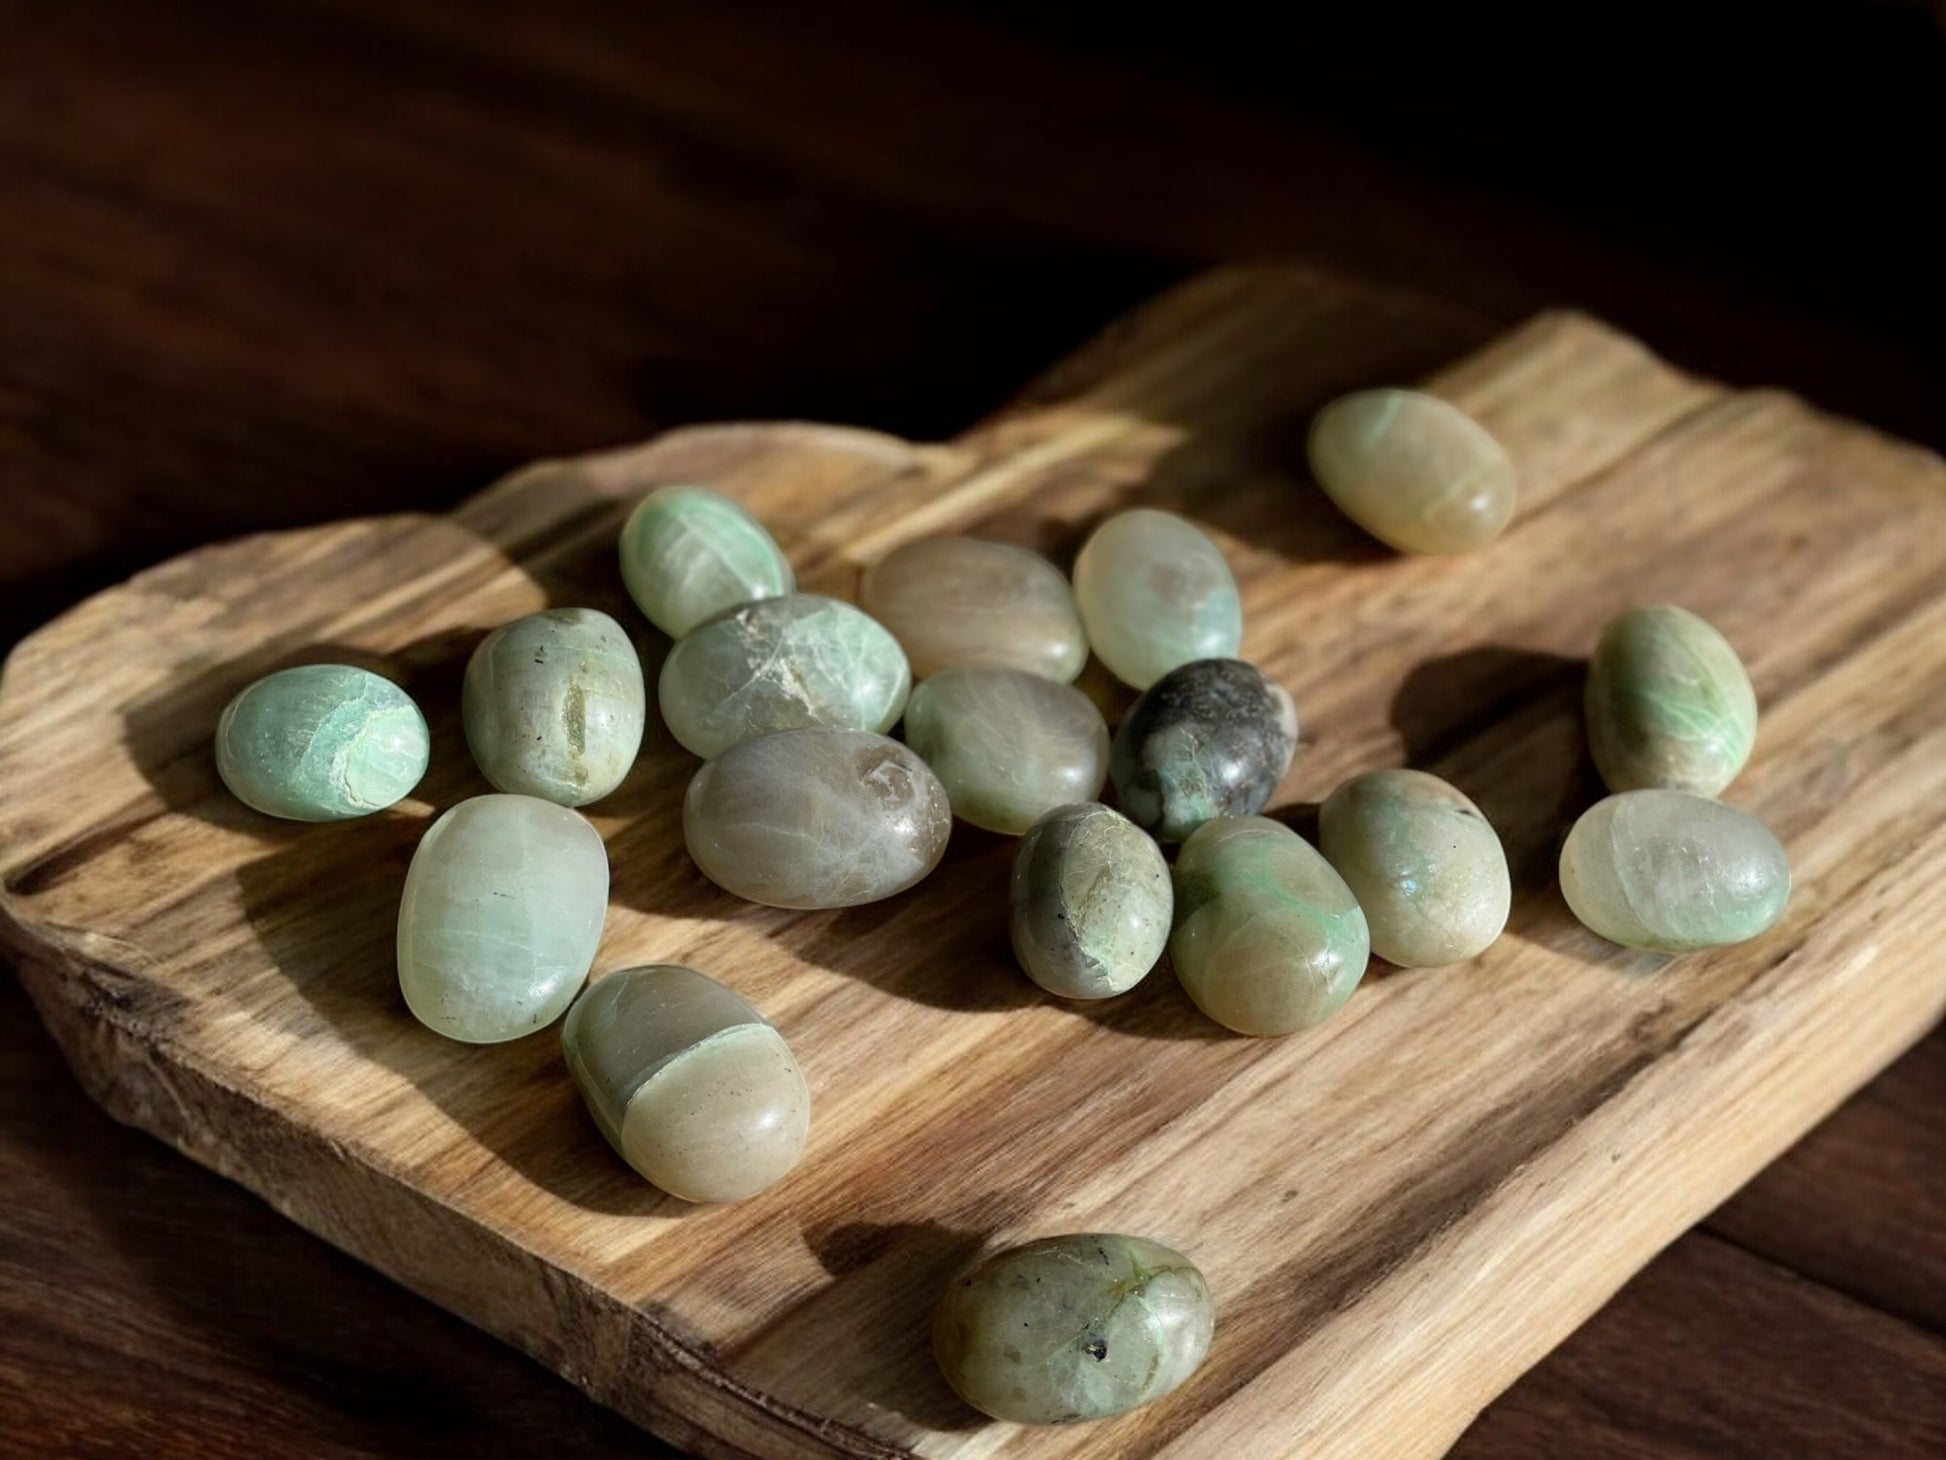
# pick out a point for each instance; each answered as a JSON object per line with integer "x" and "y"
{"x": 267, "y": 264}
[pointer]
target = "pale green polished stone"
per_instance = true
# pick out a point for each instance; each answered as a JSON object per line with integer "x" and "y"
{"x": 1413, "y": 470}
{"x": 958, "y": 600}
{"x": 322, "y": 742}
{"x": 1090, "y": 904}
{"x": 1268, "y": 938}
{"x": 789, "y": 663}
{"x": 1671, "y": 872}
{"x": 1155, "y": 593}
{"x": 1668, "y": 704}
{"x": 554, "y": 705}
{"x": 688, "y": 554}
{"x": 1007, "y": 745}
{"x": 1073, "y": 1328}
{"x": 501, "y": 915}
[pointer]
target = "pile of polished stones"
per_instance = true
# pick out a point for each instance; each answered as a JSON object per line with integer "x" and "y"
{"x": 804, "y": 801}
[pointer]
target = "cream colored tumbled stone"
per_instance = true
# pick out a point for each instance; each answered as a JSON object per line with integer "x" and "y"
{"x": 1413, "y": 470}
{"x": 1007, "y": 745}
{"x": 1155, "y": 593}
{"x": 956, "y": 600}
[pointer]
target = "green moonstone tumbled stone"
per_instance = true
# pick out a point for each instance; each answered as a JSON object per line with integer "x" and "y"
{"x": 1413, "y": 470}
{"x": 322, "y": 742}
{"x": 957, "y": 600}
{"x": 1007, "y": 745}
{"x": 1091, "y": 902}
{"x": 1268, "y": 938}
{"x": 502, "y": 911}
{"x": 554, "y": 705}
{"x": 1671, "y": 871}
{"x": 689, "y": 554}
{"x": 1154, "y": 593}
{"x": 1427, "y": 868}
{"x": 1668, "y": 704}
{"x": 787, "y": 663}
{"x": 691, "y": 1085}
{"x": 1073, "y": 1328}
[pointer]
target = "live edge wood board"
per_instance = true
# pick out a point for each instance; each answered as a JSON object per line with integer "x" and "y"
{"x": 1398, "y": 1212}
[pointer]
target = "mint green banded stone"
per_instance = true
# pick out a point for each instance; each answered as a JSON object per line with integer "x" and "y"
{"x": 1668, "y": 704}
{"x": 321, "y": 742}
{"x": 688, "y": 554}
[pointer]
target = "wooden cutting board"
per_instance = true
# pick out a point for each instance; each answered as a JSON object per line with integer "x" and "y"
{"x": 1399, "y": 1212}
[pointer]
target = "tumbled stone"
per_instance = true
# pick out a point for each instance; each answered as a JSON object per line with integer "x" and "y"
{"x": 1671, "y": 871}
{"x": 1425, "y": 865}
{"x": 1073, "y": 1328}
{"x": 1007, "y": 745}
{"x": 787, "y": 663}
{"x": 691, "y": 1085}
{"x": 689, "y": 554}
{"x": 1154, "y": 593}
{"x": 816, "y": 818}
{"x": 321, "y": 742}
{"x": 956, "y": 600}
{"x": 1268, "y": 938}
{"x": 554, "y": 705}
{"x": 1208, "y": 739}
{"x": 1413, "y": 470}
{"x": 1668, "y": 704}
{"x": 1091, "y": 902}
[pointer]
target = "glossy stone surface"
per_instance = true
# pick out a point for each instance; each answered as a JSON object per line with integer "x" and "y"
{"x": 1413, "y": 470}
{"x": 502, "y": 911}
{"x": 957, "y": 600}
{"x": 1671, "y": 872}
{"x": 554, "y": 705}
{"x": 1154, "y": 593}
{"x": 691, "y": 1085}
{"x": 787, "y": 663}
{"x": 322, "y": 742}
{"x": 816, "y": 818}
{"x": 1268, "y": 938}
{"x": 1668, "y": 704}
{"x": 688, "y": 554}
{"x": 1073, "y": 1328}
{"x": 1208, "y": 739}
{"x": 1008, "y": 746}
{"x": 1424, "y": 863}
{"x": 1091, "y": 902}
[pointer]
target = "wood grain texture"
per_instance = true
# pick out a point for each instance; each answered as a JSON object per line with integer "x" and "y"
{"x": 1399, "y": 1212}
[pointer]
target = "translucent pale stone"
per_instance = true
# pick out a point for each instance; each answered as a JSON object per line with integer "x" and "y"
{"x": 554, "y": 705}
{"x": 1413, "y": 470}
{"x": 1671, "y": 872}
{"x": 1424, "y": 864}
{"x": 322, "y": 742}
{"x": 689, "y": 554}
{"x": 1091, "y": 902}
{"x": 957, "y": 600}
{"x": 1073, "y": 1328}
{"x": 816, "y": 818}
{"x": 1007, "y": 745}
{"x": 787, "y": 663}
{"x": 691, "y": 1085}
{"x": 1268, "y": 938}
{"x": 1155, "y": 593}
{"x": 1212, "y": 738}
{"x": 1668, "y": 704}
{"x": 502, "y": 911}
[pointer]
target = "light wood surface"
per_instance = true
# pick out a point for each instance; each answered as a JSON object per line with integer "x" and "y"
{"x": 1399, "y": 1212}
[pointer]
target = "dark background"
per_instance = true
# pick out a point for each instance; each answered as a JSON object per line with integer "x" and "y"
{"x": 263, "y": 264}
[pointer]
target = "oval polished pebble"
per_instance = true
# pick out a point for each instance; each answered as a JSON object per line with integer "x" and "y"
{"x": 691, "y": 1085}
{"x": 321, "y": 742}
{"x": 689, "y": 554}
{"x": 1208, "y": 739}
{"x": 1268, "y": 938}
{"x": 1007, "y": 745}
{"x": 816, "y": 818}
{"x": 502, "y": 910}
{"x": 1413, "y": 470}
{"x": 787, "y": 663}
{"x": 1672, "y": 872}
{"x": 1091, "y": 902}
{"x": 1427, "y": 868}
{"x": 554, "y": 705}
{"x": 957, "y": 600}
{"x": 1154, "y": 593}
{"x": 1073, "y": 1328}
{"x": 1668, "y": 704}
